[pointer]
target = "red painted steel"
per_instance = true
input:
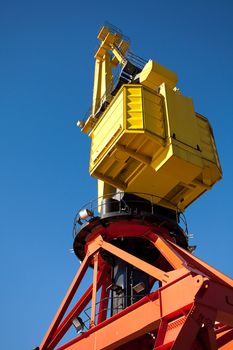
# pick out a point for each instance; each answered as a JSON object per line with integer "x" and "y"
{"x": 191, "y": 310}
{"x": 76, "y": 310}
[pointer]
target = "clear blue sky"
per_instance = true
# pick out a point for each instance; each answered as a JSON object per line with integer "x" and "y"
{"x": 46, "y": 76}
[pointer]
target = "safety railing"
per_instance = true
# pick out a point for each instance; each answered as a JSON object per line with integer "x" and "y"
{"x": 116, "y": 30}
{"x": 108, "y": 311}
{"x": 135, "y": 59}
{"x": 138, "y": 204}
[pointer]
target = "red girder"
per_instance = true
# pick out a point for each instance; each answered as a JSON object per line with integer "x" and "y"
{"x": 192, "y": 310}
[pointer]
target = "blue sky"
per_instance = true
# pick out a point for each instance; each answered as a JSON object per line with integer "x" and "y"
{"x": 46, "y": 77}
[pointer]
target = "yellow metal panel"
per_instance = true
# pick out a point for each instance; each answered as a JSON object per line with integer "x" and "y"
{"x": 181, "y": 117}
{"x": 156, "y": 144}
{"x": 153, "y": 109}
{"x": 153, "y": 75}
{"x": 97, "y": 85}
{"x": 107, "y": 128}
{"x": 103, "y": 33}
{"x": 133, "y": 108}
{"x": 207, "y": 145}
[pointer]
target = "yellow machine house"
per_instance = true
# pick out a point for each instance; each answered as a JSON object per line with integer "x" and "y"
{"x": 146, "y": 136}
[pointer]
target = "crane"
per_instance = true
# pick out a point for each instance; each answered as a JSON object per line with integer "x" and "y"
{"x": 152, "y": 155}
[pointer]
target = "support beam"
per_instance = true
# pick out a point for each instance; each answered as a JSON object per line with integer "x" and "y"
{"x": 120, "y": 329}
{"x": 94, "y": 290}
{"x": 210, "y": 271}
{"x": 104, "y": 300}
{"x": 65, "y": 303}
{"x": 76, "y": 310}
{"x": 136, "y": 155}
{"x": 133, "y": 260}
{"x": 174, "y": 259}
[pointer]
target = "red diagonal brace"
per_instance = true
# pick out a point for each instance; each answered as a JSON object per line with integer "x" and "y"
{"x": 77, "y": 309}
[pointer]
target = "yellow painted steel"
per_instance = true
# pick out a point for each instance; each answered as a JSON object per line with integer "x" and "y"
{"x": 154, "y": 142}
{"x": 153, "y": 75}
{"x": 149, "y": 139}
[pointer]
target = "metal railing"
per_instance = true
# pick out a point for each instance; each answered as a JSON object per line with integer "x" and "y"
{"x": 110, "y": 310}
{"x": 116, "y": 30}
{"x": 135, "y": 59}
{"x": 132, "y": 58}
{"x": 144, "y": 203}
